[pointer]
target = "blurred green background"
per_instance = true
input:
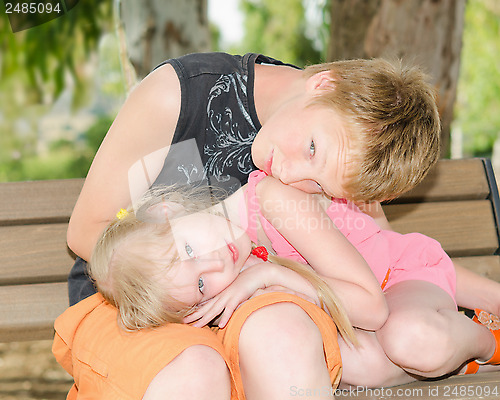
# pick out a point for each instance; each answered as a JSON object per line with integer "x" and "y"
{"x": 62, "y": 83}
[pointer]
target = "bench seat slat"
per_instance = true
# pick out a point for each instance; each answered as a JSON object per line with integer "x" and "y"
{"x": 34, "y": 254}
{"x": 451, "y": 179}
{"x": 28, "y": 312}
{"x": 38, "y": 201}
{"x": 488, "y": 266}
{"x": 463, "y": 228}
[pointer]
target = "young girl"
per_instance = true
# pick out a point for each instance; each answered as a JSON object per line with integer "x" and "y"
{"x": 156, "y": 264}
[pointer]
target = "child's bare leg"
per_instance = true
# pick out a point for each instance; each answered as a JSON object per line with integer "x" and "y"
{"x": 281, "y": 353}
{"x": 367, "y": 365}
{"x": 426, "y": 336}
{"x": 200, "y": 365}
{"x": 476, "y": 291}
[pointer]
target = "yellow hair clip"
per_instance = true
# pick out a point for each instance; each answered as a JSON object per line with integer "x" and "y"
{"x": 122, "y": 213}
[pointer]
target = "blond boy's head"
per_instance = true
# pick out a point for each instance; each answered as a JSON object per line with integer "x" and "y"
{"x": 392, "y": 122}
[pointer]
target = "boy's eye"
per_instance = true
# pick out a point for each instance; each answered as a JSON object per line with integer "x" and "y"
{"x": 189, "y": 250}
{"x": 312, "y": 149}
{"x": 201, "y": 285}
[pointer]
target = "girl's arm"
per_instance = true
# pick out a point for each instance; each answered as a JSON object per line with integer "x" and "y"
{"x": 303, "y": 223}
{"x": 250, "y": 280}
{"x": 139, "y": 136}
{"x": 473, "y": 290}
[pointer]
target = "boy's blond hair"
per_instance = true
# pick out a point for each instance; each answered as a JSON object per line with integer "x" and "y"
{"x": 129, "y": 257}
{"x": 392, "y": 121}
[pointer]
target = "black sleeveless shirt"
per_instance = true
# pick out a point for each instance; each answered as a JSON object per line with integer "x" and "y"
{"x": 218, "y": 121}
{"x": 214, "y": 134}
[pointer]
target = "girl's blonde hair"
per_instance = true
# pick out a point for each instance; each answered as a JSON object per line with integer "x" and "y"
{"x": 126, "y": 274}
{"x": 392, "y": 121}
{"x": 328, "y": 299}
{"x": 121, "y": 264}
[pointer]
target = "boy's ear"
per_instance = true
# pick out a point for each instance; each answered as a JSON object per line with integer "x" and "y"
{"x": 324, "y": 80}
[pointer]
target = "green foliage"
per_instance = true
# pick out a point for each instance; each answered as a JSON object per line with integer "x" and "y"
{"x": 46, "y": 53}
{"x": 67, "y": 60}
{"x": 278, "y": 29}
{"x": 64, "y": 158}
{"x": 478, "y": 102}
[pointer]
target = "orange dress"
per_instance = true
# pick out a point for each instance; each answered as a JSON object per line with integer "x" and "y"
{"x": 109, "y": 363}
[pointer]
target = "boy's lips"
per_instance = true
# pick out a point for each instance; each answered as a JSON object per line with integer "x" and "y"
{"x": 269, "y": 164}
{"x": 234, "y": 251}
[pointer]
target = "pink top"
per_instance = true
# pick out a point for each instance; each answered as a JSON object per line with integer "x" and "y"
{"x": 411, "y": 256}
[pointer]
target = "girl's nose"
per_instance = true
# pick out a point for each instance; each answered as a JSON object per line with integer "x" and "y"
{"x": 212, "y": 262}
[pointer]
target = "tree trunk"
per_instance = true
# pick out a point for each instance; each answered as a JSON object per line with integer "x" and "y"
{"x": 156, "y": 30}
{"x": 426, "y": 32}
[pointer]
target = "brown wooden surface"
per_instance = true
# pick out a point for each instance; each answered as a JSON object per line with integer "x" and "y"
{"x": 488, "y": 266}
{"x": 463, "y": 228}
{"x": 38, "y": 201}
{"x": 451, "y": 179}
{"x": 27, "y": 312}
{"x": 34, "y": 254}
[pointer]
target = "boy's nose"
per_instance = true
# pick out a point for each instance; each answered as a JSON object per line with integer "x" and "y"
{"x": 291, "y": 172}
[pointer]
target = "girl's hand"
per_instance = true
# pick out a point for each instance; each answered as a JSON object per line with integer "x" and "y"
{"x": 227, "y": 301}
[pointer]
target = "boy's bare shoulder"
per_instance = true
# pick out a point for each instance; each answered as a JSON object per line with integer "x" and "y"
{"x": 161, "y": 88}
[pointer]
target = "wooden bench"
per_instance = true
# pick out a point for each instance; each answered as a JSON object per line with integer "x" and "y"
{"x": 457, "y": 204}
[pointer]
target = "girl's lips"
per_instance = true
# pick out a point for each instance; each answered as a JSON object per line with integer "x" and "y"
{"x": 269, "y": 164}
{"x": 234, "y": 251}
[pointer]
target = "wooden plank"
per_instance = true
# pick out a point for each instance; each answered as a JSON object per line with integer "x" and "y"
{"x": 451, "y": 179}
{"x": 464, "y": 228}
{"x": 28, "y": 312}
{"x": 38, "y": 201}
{"x": 34, "y": 254}
{"x": 464, "y": 387}
{"x": 487, "y": 266}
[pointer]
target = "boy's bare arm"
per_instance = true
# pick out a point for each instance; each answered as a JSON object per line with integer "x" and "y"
{"x": 142, "y": 131}
{"x": 314, "y": 235}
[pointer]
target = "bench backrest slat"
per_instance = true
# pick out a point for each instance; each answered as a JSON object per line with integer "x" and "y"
{"x": 27, "y": 312}
{"x": 451, "y": 180}
{"x": 464, "y": 228}
{"x": 38, "y": 201}
{"x": 34, "y": 254}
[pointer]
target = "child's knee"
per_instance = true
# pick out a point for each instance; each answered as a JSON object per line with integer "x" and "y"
{"x": 199, "y": 363}
{"x": 416, "y": 341}
{"x": 205, "y": 363}
{"x": 280, "y": 328}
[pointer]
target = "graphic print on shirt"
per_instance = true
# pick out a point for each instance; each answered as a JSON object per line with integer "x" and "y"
{"x": 228, "y": 144}
{"x": 189, "y": 171}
